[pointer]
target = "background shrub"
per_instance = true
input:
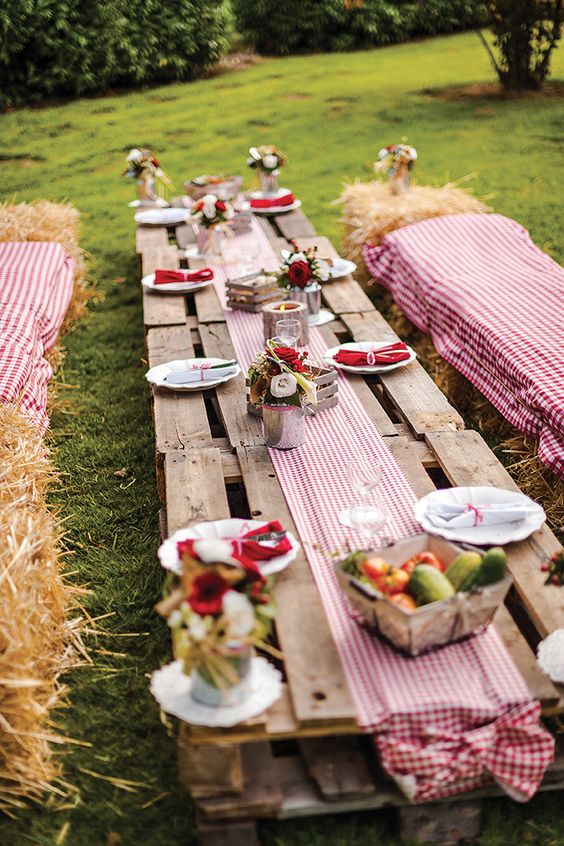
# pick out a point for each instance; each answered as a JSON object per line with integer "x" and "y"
{"x": 64, "y": 47}
{"x": 278, "y": 27}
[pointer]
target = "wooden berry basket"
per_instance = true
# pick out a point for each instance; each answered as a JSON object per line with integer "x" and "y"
{"x": 252, "y": 292}
{"x": 327, "y": 383}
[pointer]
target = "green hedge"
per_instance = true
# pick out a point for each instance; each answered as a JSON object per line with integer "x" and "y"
{"x": 277, "y": 27}
{"x": 67, "y": 47}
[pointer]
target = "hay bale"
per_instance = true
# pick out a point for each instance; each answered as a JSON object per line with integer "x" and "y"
{"x": 46, "y": 221}
{"x": 38, "y": 640}
{"x": 517, "y": 451}
{"x": 370, "y": 211}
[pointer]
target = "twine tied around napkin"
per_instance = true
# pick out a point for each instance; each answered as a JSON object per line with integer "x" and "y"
{"x": 463, "y": 515}
{"x": 390, "y": 354}
{"x": 167, "y": 277}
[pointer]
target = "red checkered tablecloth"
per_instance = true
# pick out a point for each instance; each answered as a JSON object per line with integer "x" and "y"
{"x": 443, "y": 722}
{"x": 36, "y": 281}
{"x": 493, "y": 303}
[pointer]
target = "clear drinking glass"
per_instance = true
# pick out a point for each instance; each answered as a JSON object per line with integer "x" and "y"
{"x": 288, "y": 331}
{"x": 364, "y": 474}
{"x": 368, "y": 516}
{"x": 368, "y": 510}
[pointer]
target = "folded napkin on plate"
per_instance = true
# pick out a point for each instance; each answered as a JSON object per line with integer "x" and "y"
{"x": 201, "y": 373}
{"x": 379, "y": 355}
{"x": 464, "y": 515}
{"x": 249, "y": 548}
{"x": 284, "y": 200}
{"x": 166, "y": 277}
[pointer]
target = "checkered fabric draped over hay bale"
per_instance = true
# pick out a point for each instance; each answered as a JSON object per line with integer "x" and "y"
{"x": 39, "y": 639}
{"x": 370, "y": 211}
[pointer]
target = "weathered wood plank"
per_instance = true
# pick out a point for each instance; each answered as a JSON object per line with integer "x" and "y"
{"x": 276, "y": 241}
{"x": 241, "y": 428}
{"x": 317, "y": 683}
{"x": 209, "y": 770}
{"x": 195, "y": 491}
{"x": 262, "y": 796}
{"x": 412, "y": 391}
{"x": 467, "y": 460}
{"x": 208, "y": 306}
{"x": 149, "y": 238}
{"x": 540, "y": 686}
{"x": 162, "y": 309}
{"x": 185, "y": 236}
{"x": 411, "y": 465}
{"x": 294, "y": 225}
{"x": 338, "y": 767}
{"x": 180, "y": 419}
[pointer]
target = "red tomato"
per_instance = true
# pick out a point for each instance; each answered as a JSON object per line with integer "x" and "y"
{"x": 395, "y": 581}
{"x": 376, "y": 569}
{"x": 423, "y": 558}
{"x": 404, "y": 600}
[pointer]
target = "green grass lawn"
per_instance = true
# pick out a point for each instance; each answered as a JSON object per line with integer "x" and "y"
{"x": 330, "y": 113}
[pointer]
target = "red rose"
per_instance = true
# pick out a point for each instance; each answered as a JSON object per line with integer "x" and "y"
{"x": 220, "y": 206}
{"x": 299, "y": 273}
{"x": 206, "y": 596}
{"x": 291, "y": 357}
{"x": 198, "y": 206}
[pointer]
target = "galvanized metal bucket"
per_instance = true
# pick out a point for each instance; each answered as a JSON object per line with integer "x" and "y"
{"x": 310, "y": 296}
{"x": 284, "y": 426}
{"x": 268, "y": 182}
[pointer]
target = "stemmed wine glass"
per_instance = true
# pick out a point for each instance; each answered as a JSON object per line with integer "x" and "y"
{"x": 288, "y": 332}
{"x": 367, "y": 514}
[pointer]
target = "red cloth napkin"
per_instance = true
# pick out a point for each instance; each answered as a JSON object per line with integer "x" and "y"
{"x": 165, "y": 277}
{"x": 256, "y": 551}
{"x": 284, "y": 200}
{"x": 385, "y": 355}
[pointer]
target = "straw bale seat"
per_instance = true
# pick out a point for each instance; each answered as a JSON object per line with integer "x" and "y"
{"x": 486, "y": 294}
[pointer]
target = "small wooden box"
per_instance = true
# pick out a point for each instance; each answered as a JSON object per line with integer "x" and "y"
{"x": 251, "y": 292}
{"x": 327, "y": 383}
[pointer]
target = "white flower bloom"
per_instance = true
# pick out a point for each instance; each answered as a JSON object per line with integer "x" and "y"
{"x": 209, "y": 210}
{"x": 296, "y": 257}
{"x": 197, "y": 627}
{"x": 270, "y": 161}
{"x": 383, "y": 153}
{"x": 285, "y": 255}
{"x": 324, "y": 272}
{"x": 215, "y": 551}
{"x": 229, "y": 213}
{"x": 135, "y": 155}
{"x": 254, "y": 154}
{"x": 283, "y": 385}
{"x": 175, "y": 619}
{"x": 240, "y": 614}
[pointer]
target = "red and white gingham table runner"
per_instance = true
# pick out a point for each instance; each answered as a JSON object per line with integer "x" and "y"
{"x": 36, "y": 281}
{"x": 443, "y": 722}
{"x": 493, "y": 304}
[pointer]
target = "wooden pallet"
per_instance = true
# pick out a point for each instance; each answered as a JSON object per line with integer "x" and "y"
{"x": 212, "y": 463}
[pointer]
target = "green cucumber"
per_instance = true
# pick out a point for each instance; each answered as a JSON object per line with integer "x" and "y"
{"x": 462, "y": 568}
{"x": 492, "y": 568}
{"x": 427, "y": 584}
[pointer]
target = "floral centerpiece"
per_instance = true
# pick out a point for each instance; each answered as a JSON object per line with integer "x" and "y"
{"x": 220, "y": 612}
{"x": 144, "y": 167}
{"x": 267, "y": 161}
{"x": 301, "y": 273}
{"x": 212, "y": 215}
{"x": 397, "y": 161}
{"x": 280, "y": 379}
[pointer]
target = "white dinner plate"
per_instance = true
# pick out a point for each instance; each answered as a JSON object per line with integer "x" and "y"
{"x": 162, "y": 217}
{"x": 258, "y": 195}
{"x": 168, "y": 555}
{"x": 173, "y": 287}
{"x": 321, "y": 318}
{"x": 495, "y": 534}
{"x": 341, "y": 267}
{"x": 366, "y": 346}
{"x": 156, "y": 375}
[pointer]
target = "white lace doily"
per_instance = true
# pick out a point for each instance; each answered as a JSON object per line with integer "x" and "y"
{"x": 550, "y": 655}
{"x": 171, "y": 688}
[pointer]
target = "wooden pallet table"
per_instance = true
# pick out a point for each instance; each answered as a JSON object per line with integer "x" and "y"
{"x": 305, "y": 755}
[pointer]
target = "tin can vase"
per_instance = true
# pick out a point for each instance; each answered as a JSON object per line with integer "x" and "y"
{"x": 268, "y": 182}
{"x": 310, "y": 296}
{"x": 399, "y": 179}
{"x": 203, "y": 690}
{"x": 146, "y": 190}
{"x": 210, "y": 240}
{"x": 284, "y": 426}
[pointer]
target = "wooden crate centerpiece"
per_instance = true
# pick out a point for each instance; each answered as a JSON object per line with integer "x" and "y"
{"x": 253, "y": 291}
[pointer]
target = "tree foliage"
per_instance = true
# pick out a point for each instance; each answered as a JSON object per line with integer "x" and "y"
{"x": 525, "y": 34}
